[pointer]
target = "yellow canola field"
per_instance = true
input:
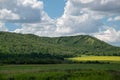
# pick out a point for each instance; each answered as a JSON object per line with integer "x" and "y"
{"x": 96, "y": 58}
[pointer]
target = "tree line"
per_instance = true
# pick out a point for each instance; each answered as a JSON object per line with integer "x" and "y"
{"x": 33, "y": 58}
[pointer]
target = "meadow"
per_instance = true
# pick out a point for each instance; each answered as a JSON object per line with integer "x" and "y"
{"x": 81, "y": 68}
{"x": 61, "y": 72}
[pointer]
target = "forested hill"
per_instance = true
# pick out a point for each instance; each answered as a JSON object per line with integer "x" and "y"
{"x": 13, "y": 43}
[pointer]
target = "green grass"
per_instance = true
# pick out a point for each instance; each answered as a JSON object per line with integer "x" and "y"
{"x": 60, "y": 72}
{"x": 96, "y": 58}
{"x": 61, "y": 75}
{"x": 48, "y": 67}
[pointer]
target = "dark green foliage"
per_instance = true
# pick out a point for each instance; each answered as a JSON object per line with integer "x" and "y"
{"x": 14, "y": 45}
{"x": 33, "y": 58}
{"x": 11, "y": 78}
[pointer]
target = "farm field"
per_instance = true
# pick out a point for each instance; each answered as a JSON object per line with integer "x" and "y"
{"x": 60, "y": 72}
{"x": 96, "y": 58}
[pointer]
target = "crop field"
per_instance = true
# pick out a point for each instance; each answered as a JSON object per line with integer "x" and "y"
{"x": 97, "y": 58}
{"x": 60, "y": 72}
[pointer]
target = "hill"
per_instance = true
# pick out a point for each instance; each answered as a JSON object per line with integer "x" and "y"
{"x": 67, "y": 46}
{"x": 13, "y": 43}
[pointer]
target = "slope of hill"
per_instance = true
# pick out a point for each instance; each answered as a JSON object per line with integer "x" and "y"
{"x": 31, "y": 49}
{"x": 13, "y": 43}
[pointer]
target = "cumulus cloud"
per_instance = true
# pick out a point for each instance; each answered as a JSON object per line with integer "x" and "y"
{"x": 21, "y": 11}
{"x": 86, "y": 1}
{"x": 46, "y": 27}
{"x": 8, "y": 15}
{"x": 40, "y": 29}
{"x": 104, "y": 6}
{"x": 77, "y": 24}
{"x": 31, "y": 3}
{"x": 117, "y": 18}
{"x": 109, "y": 35}
{"x": 75, "y": 18}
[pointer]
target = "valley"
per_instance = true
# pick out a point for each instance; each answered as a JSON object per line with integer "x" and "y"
{"x": 81, "y": 57}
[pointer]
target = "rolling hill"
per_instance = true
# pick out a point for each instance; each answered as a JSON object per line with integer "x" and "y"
{"x": 31, "y": 49}
{"x": 13, "y": 43}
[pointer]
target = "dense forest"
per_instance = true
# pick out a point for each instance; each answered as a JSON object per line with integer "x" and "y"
{"x": 33, "y": 58}
{"x": 26, "y": 48}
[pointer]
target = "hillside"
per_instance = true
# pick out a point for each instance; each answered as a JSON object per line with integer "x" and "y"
{"x": 13, "y": 43}
{"x": 31, "y": 49}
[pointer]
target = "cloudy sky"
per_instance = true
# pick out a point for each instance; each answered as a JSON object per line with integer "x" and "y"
{"x": 99, "y": 18}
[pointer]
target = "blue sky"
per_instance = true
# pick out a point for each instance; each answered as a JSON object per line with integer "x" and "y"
{"x": 98, "y": 18}
{"x": 12, "y": 26}
{"x": 54, "y": 8}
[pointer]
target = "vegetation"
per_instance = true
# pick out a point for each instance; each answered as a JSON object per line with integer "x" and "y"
{"x": 63, "y": 75}
{"x": 58, "y": 72}
{"x": 33, "y": 58}
{"x": 12, "y": 43}
{"x": 55, "y": 67}
{"x": 31, "y": 49}
{"x": 95, "y": 59}
{"x": 28, "y": 48}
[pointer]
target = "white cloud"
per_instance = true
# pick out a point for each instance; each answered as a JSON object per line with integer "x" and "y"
{"x": 110, "y": 19}
{"x": 2, "y": 27}
{"x": 110, "y": 35}
{"x": 109, "y": 7}
{"x": 77, "y": 24}
{"x": 31, "y": 3}
{"x": 86, "y": 1}
{"x": 117, "y": 18}
{"x": 8, "y": 15}
{"x": 40, "y": 29}
{"x": 44, "y": 28}
{"x": 75, "y": 18}
{"x": 29, "y": 11}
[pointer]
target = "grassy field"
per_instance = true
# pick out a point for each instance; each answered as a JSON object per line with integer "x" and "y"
{"x": 60, "y": 72}
{"x": 81, "y": 71}
{"x": 97, "y": 58}
{"x": 63, "y": 75}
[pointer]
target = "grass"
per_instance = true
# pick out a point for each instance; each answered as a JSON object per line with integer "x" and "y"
{"x": 96, "y": 58}
{"x": 54, "y": 67}
{"x": 61, "y": 75}
{"x": 96, "y": 71}
{"x": 60, "y": 72}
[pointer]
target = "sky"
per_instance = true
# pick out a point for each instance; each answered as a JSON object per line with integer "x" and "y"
{"x": 52, "y": 18}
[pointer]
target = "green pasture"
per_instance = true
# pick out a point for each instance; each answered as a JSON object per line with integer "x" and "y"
{"x": 60, "y": 72}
